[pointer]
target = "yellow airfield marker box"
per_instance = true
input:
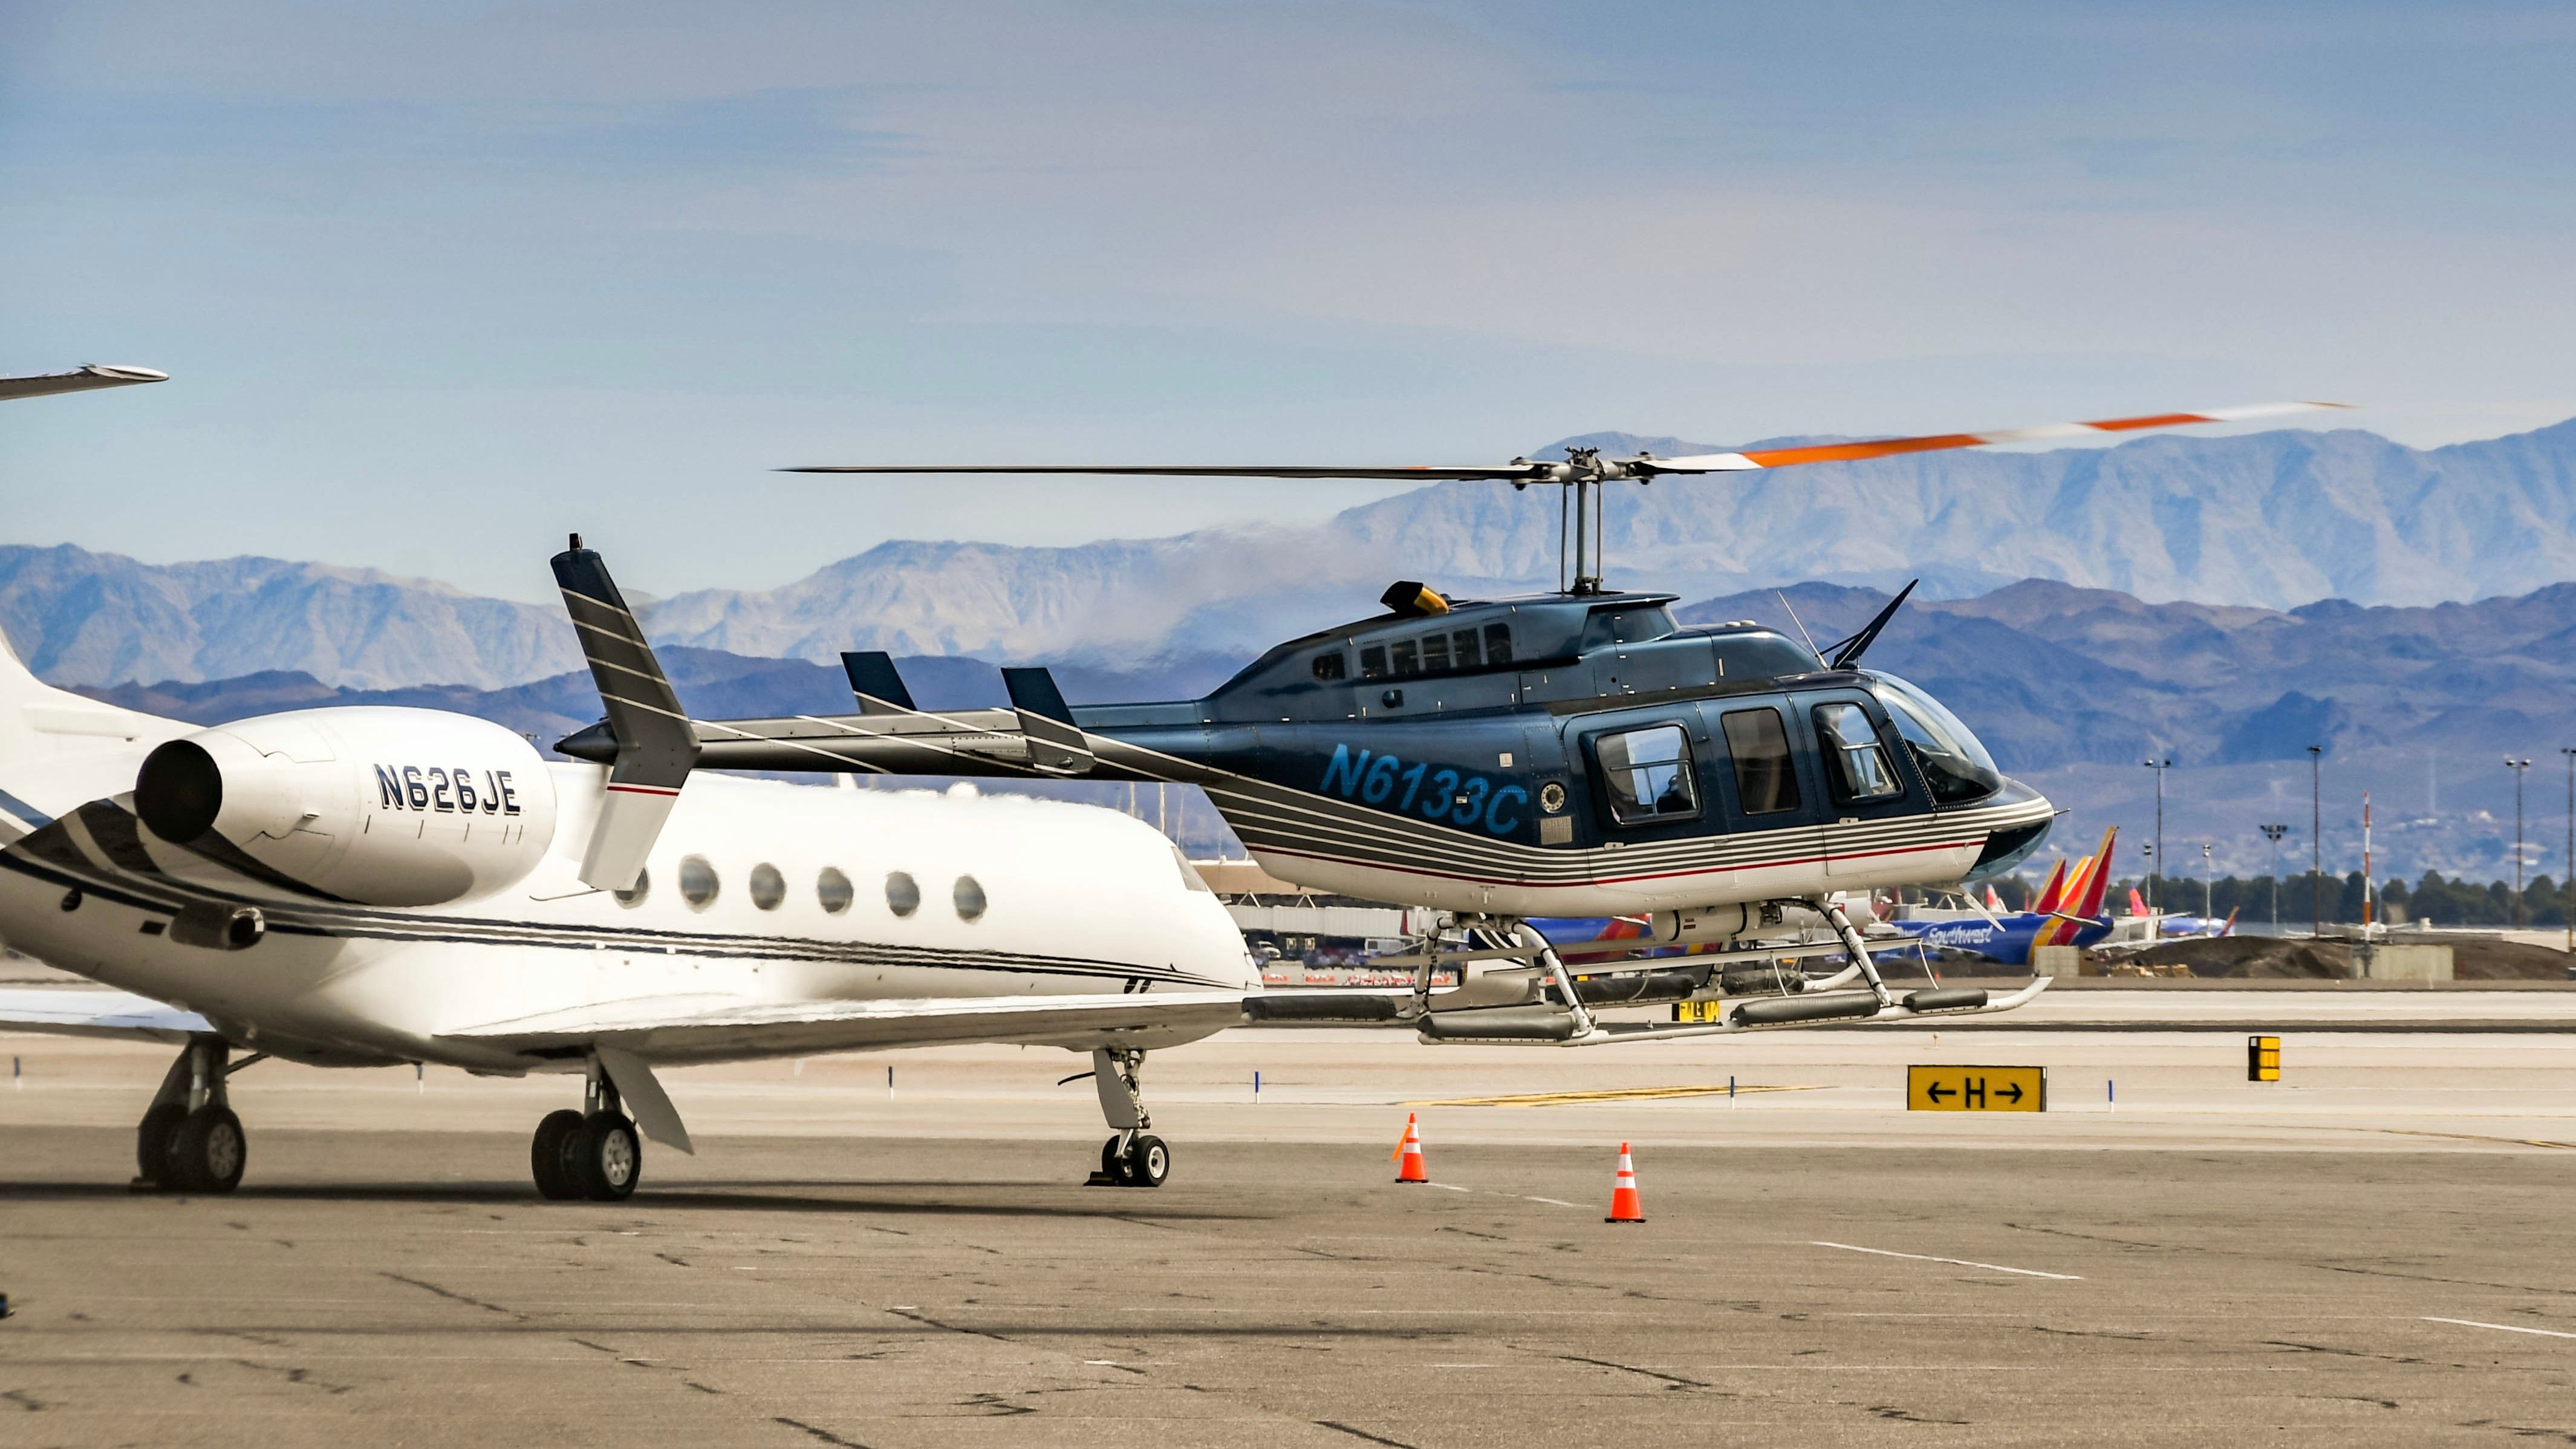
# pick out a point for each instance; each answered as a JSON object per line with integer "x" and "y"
{"x": 1976, "y": 1089}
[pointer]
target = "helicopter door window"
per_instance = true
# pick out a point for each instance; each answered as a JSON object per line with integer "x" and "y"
{"x": 1857, "y": 763}
{"x": 1648, "y": 773}
{"x": 1373, "y": 662}
{"x": 1435, "y": 653}
{"x": 1462, "y": 649}
{"x": 1498, "y": 643}
{"x": 1407, "y": 661}
{"x": 1328, "y": 665}
{"x": 1766, "y": 777}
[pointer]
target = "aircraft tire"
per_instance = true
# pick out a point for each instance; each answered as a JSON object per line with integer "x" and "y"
{"x": 1148, "y": 1163}
{"x": 1112, "y": 1166}
{"x": 152, "y": 1141}
{"x": 610, "y": 1157}
{"x": 550, "y": 1157}
{"x": 207, "y": 1152}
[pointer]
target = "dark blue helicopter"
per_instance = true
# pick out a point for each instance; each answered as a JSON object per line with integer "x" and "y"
{"x": 1578, "y": 753}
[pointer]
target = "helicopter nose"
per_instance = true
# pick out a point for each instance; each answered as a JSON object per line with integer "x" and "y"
{"x": 2029, "y": 815}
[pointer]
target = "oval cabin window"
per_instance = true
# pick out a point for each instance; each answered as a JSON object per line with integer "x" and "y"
{"x": 634, "y": 895}
{"x": 903, "y": 894}
{"x": 698, "y": 884}
{"x": 833, "y": 889}
{"x": 969, "y": 897}
{"x": 768, "y": 887}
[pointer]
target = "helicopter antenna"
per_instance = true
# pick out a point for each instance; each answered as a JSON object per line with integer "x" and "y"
{"x": 1783, "y": 597}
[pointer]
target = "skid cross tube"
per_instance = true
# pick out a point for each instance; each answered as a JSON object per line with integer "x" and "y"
{"x": 1556, "y": 972}
{"x": 1833, "y": 911}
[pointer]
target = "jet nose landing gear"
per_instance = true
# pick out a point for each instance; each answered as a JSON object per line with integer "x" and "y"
{"x": 1132, "y": 1157}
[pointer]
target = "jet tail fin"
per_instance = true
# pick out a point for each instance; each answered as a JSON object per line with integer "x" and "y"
{"x": 2049, "y": 893}
{"x": 656, "y": 744}
{"x": 2095, "y": 888}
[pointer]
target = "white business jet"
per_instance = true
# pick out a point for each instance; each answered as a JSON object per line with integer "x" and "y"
{"x": 375, "y": 886}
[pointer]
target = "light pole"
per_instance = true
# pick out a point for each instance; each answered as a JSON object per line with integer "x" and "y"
{"x": 2206, "y": 909}
{"x": 2570, "y": 861}
{"x": 2273, "y": 833}
{"x": 2316, "y": 842}
{"x": 2159, "y": 766}
{"x": 2517, "y": 766}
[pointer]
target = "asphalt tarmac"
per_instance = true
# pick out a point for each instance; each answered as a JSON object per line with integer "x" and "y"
{"x": 2375, "y": 1250}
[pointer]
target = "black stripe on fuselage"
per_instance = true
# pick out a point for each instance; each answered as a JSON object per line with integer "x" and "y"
{"x": 55, "y": 856}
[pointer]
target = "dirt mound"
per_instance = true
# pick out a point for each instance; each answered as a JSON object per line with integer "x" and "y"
{"x": 2281, "y": 958}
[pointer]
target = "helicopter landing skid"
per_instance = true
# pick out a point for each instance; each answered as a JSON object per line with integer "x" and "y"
{"x": 1853, "y": 1007}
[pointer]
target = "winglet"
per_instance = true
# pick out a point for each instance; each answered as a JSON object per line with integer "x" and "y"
{"x": 656, "y": 744}
{"x": 1056, "y": 743}
{"x": 880, "y": 689}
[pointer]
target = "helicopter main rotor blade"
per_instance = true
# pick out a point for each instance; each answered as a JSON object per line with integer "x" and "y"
{"x": 1935, "y": 442}
{"x": 1509, "y": 472}
{"x": 1588, "y": 468}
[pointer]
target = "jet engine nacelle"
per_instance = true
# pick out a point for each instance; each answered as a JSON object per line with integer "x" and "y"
{"x": 383, "y": 806}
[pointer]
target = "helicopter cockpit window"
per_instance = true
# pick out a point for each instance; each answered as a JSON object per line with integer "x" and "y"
{"x": 1648, "y": 772}
{"x": 1462, "y": 649}
{"x": 1373, "y": 662}
{"x": 1956, "y": 767}
{"x": 1855, "y": 761}
{"x": 1766, "y": 778}
{"x": 1435, "y": 653}
{"x": 1328, "y": 665}
{"x": 1498, "y": 643}
{"x": 1407, "y": 659}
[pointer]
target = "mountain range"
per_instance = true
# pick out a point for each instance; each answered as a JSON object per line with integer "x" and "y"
{"x": 2269, "y": 521}
{"x": 2071, "y": 688}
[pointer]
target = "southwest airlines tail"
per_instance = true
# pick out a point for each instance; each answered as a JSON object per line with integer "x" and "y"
{"x": 2051, "y": 893}
{"x": 2073, "y": 904}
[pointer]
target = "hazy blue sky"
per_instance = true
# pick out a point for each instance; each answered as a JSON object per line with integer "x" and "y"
{"x": 440, "y": 282}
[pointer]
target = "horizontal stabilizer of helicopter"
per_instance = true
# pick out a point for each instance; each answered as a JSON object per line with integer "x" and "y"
{"x": 874, "y": 680}
{"x": 1056, "y": 743}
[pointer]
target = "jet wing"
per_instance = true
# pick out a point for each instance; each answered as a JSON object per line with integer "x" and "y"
{"x": 84, "y": 1011}
{"x": 671, "y": 1029}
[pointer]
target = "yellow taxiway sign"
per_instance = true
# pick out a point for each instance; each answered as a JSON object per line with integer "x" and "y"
{"x": 1976, "y": 1089}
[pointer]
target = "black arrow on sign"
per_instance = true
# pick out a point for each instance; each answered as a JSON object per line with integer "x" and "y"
{"x": 2010, "y": 1094}
{"x": 1936, "y": 1091}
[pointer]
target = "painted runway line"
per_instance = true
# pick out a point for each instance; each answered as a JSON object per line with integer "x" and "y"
{"x": 2504, "y": 1327}
{"x": 1954, "y": 1262}
{"x": 1607, "y": 1094}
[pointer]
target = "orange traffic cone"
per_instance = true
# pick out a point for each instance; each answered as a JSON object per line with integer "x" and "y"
{"x": 1409, "y": 1152}
{"x": 1624, "y": 1206}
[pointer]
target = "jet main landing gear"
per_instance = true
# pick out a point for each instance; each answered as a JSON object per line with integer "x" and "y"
{"x": 594, "y": 1153}
{"x": 189, "y": 1140}
{"x": 1132, "y": 1157}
